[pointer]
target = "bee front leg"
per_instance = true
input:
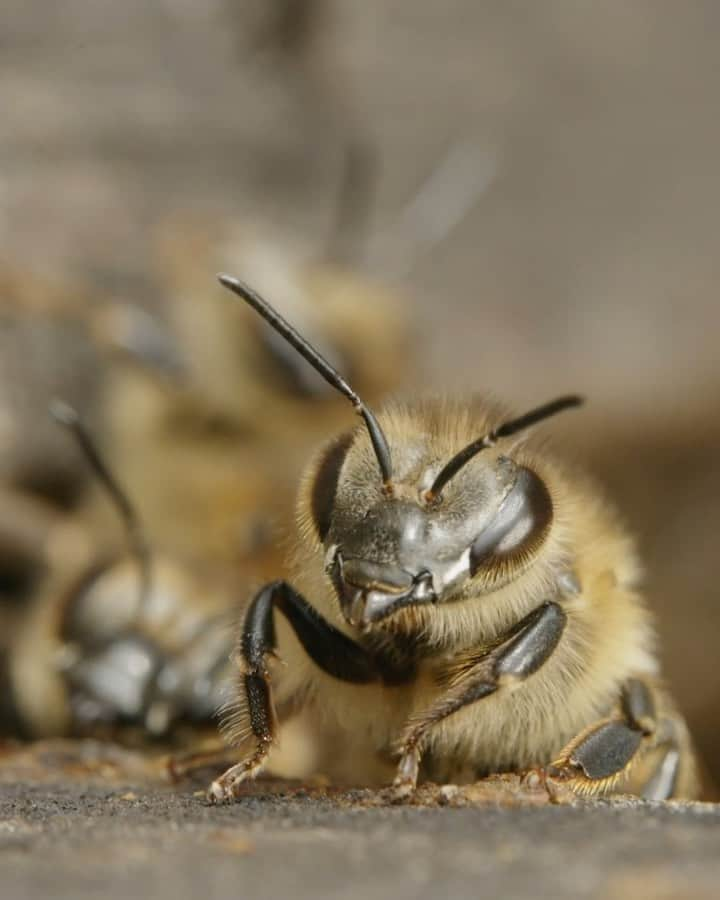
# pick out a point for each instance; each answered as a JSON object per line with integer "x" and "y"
{"x": 517, "y": 656}
{"x": 640, "y": 749}
{"x": 328, "y": 647}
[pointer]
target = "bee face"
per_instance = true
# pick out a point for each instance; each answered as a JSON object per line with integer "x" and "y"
{"x": 389, "y": 549}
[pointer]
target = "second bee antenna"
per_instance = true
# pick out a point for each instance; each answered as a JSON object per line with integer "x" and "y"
{"x": 69, "y": 417}
{"x": 513, "y": 426}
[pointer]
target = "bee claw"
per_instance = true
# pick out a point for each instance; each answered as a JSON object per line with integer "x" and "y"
{"x": 401, "y": 789}
{"x": 533, "y": 779}
{"x": 225, "y": 788}
{"x": 556, "y": 782}
{"x": 406, "y": 778}
{"x": 219, "y": 793}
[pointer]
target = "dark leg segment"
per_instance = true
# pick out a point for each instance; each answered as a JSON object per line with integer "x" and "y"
{"x": 638, "y": 705}
{"x": 607, "y": 752}
{"x": 516, "y": 657}
{"x": 328, "y": 647}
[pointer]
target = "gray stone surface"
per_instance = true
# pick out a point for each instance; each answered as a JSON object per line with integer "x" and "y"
{"x": 73, "y": 841}
{"x": 87, "y": 820}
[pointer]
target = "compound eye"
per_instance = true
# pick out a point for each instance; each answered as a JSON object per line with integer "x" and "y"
{"x": 325, "y": 482}
{"x": 520, "y": 526}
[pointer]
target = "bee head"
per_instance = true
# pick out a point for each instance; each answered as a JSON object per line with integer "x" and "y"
{"x": 408, "y": 512}
{"x": 432, "y": 537}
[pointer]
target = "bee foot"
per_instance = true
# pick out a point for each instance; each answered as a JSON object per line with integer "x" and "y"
{"x": 533, "y": 779}
{"x": 226, "y": 788}
{"x": 555, "y": 782}
{"x": 218, "y": 792}
{"x": 406, "y": 778}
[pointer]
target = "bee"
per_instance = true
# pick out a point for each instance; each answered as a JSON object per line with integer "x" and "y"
{"x": 344, "y": 296}
{"x": 462, "y": 604}
{"x": 126, "y": 642}
{"x": 55, "y": 337}
{"x": 342, "y": 310}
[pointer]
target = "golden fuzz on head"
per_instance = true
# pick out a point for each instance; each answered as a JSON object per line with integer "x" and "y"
{"x": 427, "y": 432}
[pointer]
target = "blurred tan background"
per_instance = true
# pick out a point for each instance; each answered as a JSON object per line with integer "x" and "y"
{"x": 588, "y": 261}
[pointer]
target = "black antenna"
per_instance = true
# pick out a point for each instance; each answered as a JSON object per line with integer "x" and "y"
{"x": 137, "y": 542}
{"x": 505, "y": 430}
{"x": 320, "y": 364}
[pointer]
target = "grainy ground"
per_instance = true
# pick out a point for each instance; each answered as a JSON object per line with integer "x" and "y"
{"x": 76, "y": 841}
{"x": 80, "y": 821}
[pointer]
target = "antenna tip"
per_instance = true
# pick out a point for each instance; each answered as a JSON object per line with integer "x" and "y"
{"x": 64, "y": 413}
{"x": 228, "y": 281}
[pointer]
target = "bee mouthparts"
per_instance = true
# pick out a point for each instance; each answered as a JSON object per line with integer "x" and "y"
{"x": 369, "y": 592}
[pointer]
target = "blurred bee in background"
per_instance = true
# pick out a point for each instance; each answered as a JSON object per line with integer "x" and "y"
{"x": 55, "y": 336}
{"x": 462, "y": 604}
{"x": 357, "y": 320}
{"x": 238, "y": 429}
{"x": 130, "y": 643}
{"x": 42, "y": 343}
{"x": 79, "y": 654}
